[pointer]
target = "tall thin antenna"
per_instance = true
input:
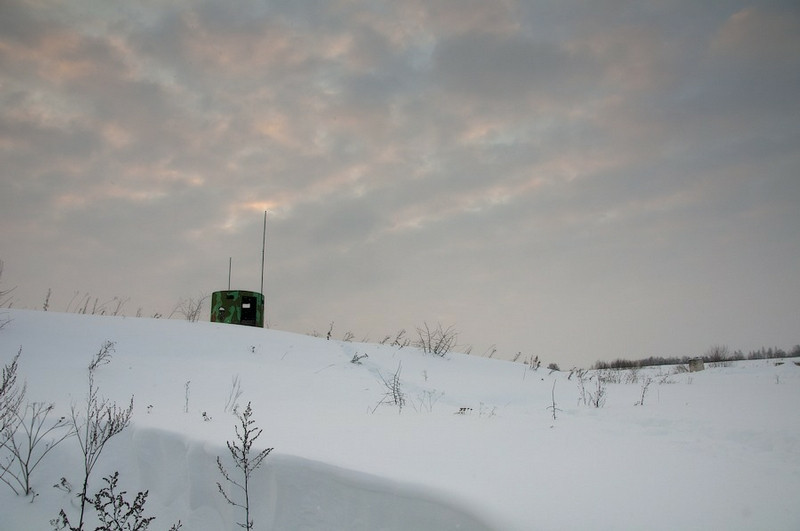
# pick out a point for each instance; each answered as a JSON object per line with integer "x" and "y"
{"x": 263, "y": 248}
{"x": 230, "y": 261}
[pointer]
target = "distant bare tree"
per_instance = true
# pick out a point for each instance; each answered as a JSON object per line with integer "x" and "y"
{"x": 717, "y": 353}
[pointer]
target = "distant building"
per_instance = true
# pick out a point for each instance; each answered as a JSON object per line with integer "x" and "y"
{"x": 696, "y": 364}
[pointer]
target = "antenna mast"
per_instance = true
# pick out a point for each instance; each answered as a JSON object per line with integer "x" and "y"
{"x": 263, "y": 248}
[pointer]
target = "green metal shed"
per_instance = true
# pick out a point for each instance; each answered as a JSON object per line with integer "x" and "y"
{"x": 238, "y": 307}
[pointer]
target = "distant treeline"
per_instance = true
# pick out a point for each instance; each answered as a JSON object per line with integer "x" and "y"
{"x": 713, "y": 355}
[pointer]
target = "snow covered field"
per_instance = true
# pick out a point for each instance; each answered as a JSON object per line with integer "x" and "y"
{"x": 718, "y": 449}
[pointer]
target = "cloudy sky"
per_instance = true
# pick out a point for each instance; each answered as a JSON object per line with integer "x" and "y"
{"x": 577, "y": 180}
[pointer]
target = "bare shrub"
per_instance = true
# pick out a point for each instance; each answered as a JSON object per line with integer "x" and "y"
{"x": 533, "y": 363}
{"x": 438, "y": 340}
{"x": 484, "y": 410}
{"x": 400, "y": 339}
{"x": 356, "y": 359}
{"x": 28, "y": 440}
{"x": 632, "y": 375}
{"x": 117, "y": 303}
{"x": 597, "y": 397}
{"x": 427, "y": 399}
{"x": 114, "y": 512}
{"x": 11, "y": 395}
{"x": 83, "y": 304}
{"x": 610, "y": 376}
{"x": 664, "y": 378}
{"x": 581, "y": 376}
{"x": 394, "y": 394}
{"x": 118, "y": 514}
{"x": 189, "y": 308}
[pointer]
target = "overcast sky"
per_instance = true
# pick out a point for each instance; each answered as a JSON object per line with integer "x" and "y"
{"x": 578, "y": 180}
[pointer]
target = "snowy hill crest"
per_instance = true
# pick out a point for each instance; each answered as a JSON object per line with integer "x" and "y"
{"x": 709, "y": 450}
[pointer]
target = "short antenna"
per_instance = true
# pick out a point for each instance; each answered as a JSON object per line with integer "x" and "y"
{"x": 230, "y": 260}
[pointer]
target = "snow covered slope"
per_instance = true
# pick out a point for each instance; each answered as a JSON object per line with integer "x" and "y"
{"x": 474, "y": 448}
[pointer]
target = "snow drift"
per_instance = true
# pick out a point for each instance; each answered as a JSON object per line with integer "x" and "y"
{"x": 474, "y": 448}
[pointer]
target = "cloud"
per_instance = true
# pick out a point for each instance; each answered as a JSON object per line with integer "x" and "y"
{"x": 496, "y": 164}
{"x": 759, "y": 34}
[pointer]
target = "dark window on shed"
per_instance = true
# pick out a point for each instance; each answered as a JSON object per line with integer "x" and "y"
{"x": 249, "y": 310}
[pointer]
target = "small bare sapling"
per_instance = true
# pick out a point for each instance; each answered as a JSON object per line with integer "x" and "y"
{"x": 94, "y": 424}
{"x": 247, "y": 462}
{"x": 552, "y": 407}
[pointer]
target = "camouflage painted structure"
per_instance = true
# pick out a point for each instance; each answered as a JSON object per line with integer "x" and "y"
{"x": 238, "y": 307}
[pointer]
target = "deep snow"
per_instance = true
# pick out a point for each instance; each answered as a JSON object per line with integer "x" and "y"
{"x": 718, "y": 449}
